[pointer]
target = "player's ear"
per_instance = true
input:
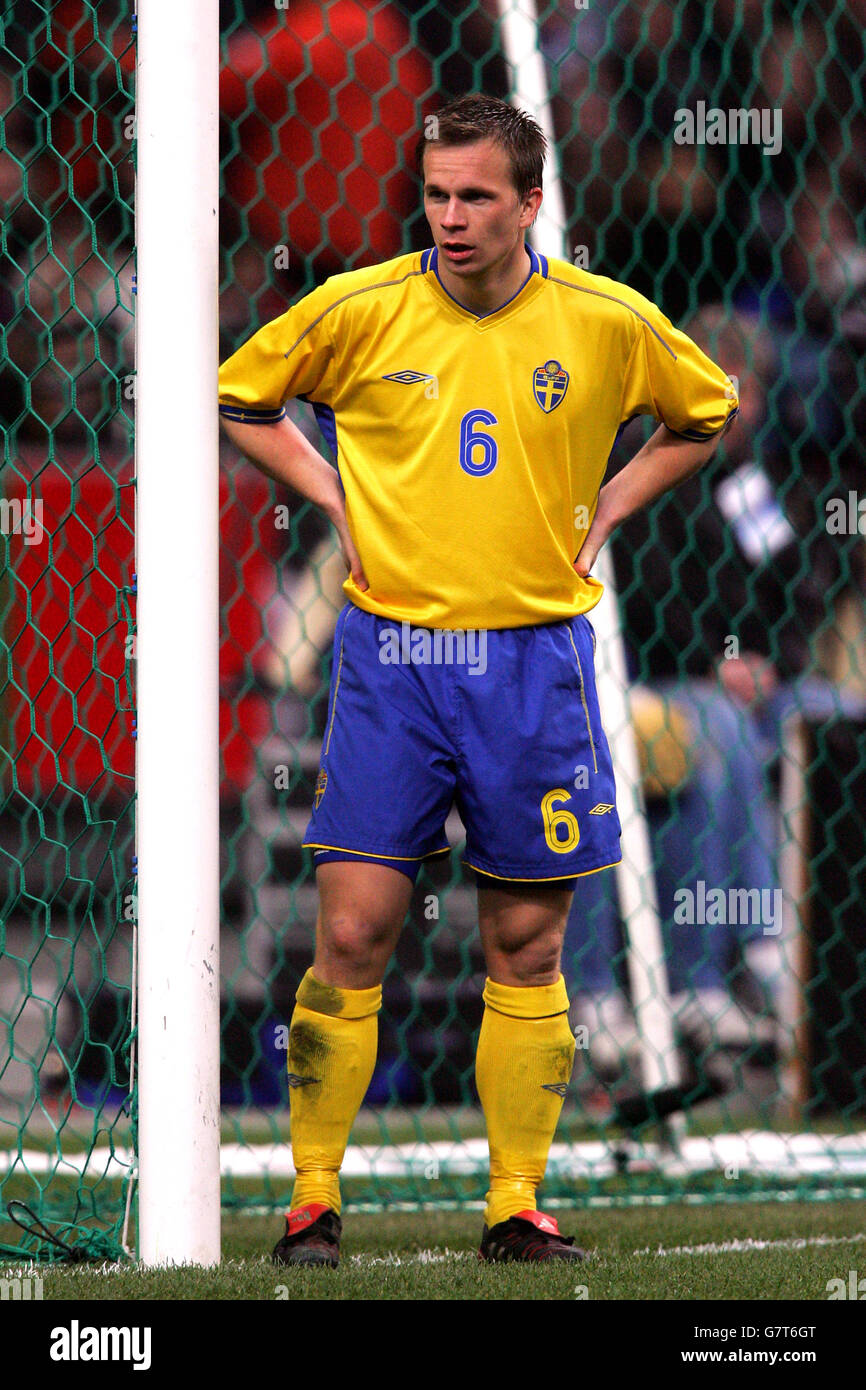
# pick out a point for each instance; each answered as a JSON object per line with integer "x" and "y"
{"x": 531, "y": 204}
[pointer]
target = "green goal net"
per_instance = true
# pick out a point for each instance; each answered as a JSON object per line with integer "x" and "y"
{"x": 67, "y": 610}
{"x": 712, "y": 157}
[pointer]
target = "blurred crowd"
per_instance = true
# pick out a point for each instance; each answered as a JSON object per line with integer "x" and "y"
{"x": 761, "y": 257}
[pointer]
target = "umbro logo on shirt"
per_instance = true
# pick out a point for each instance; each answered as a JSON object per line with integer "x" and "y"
{"x": 406, "y": 378}
{"x": 410, "y": 378}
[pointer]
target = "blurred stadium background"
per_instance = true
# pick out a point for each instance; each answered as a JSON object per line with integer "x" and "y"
{"x": 752, "y": 754}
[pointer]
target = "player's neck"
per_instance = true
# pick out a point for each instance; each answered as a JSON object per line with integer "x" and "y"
{"x": 484, "y": 294}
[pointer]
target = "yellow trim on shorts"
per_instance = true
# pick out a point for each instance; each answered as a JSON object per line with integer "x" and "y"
{"x": 585, "y": 708}
{"x": 336, "y": 690}
{"x": 551, "y": 878}
{"x": 368, "y": 854}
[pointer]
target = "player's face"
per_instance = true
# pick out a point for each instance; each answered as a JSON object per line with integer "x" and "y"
{"x": 475, "y": 214}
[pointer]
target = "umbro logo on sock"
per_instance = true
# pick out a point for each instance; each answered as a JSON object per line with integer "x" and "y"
{"x": 559, "y": 1088}
{"x": 295, "y": 1080}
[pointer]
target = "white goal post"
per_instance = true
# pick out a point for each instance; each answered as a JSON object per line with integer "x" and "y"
{"x": 177, "y": 108}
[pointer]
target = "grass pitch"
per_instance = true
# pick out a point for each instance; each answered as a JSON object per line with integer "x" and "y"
{"x": 769, "y": 1251}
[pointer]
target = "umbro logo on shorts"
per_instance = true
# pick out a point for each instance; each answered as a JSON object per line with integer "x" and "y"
{"x": 295, "y": 1080}
{"x": 559, "y": 1088}
{"x": 601, "y": 809}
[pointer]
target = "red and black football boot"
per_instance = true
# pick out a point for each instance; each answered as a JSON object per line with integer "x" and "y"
{"x": 530, "y": 1237}
{"x": 312, "y": 1237}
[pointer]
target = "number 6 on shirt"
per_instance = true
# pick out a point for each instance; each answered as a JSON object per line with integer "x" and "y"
{"x": 472, "y": 439}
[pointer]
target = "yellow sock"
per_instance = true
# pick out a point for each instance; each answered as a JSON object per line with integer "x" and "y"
{"x": 332, "y": 1052}
{"x": 526, "y": 1046}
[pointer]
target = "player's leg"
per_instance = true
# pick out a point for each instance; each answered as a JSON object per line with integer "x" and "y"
{"x": 333, "y": 1040}
{"x": 334, "y": 1028}
{"x": 536, "y": 793}
{"x": 524, "y": 1060}
{"x": 522, "y": 927}
{"x": 362, "y": 908}
{"x": 382, "y": 794}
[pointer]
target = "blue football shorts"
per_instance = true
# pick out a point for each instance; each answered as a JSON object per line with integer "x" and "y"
{"x": 504, "y": 723}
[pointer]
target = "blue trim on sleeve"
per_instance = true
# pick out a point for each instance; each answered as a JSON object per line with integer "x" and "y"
{"x": 327, "y": 422}
{"x": 698, "y": 436}
{"x": 249, "y": 415}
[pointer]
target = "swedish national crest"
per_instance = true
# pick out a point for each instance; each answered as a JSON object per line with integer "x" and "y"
{"x": 549, "y": 385}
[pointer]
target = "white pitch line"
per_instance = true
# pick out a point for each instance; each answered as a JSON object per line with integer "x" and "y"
{"x": 736, "y": 1247}
{"x": 768, "y": 1154}
{"x": 420, "y": 1257}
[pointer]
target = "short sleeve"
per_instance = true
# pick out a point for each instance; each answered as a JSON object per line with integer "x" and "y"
{"x": 291, "y": 356}
{"x": 669, "y": 377}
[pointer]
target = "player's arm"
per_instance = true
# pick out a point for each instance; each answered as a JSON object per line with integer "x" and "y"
{"x": 669, "y": 377}
{"x": 664, "y": 461}
{"x": 282, "y": 452}
{"x": 291, "y": 356}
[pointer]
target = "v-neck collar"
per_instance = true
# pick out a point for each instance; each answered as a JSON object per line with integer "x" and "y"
{"x": 538, "y": 271}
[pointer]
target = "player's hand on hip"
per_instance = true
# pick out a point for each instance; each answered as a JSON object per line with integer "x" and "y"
{"x": 351, "y": 557}
{"x": 592, "y": 543}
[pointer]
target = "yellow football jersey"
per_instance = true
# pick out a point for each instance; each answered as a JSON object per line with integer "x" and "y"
{"x": 471, "y": 449}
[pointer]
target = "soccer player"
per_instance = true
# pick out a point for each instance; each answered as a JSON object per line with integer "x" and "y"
{"x": 471, "y": 394}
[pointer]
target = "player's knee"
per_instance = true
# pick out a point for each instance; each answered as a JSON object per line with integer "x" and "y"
{"x": 536, "y": 967}
{"x": 353, "y": 940}
{"x": 534, "y": 960}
